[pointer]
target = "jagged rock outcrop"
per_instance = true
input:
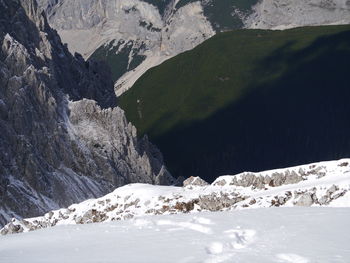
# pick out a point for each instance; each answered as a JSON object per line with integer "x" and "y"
{"x": 320, "y": 184}
{"x": 53, "y": 151}
{"x": 260, "y": 181}
{"x": 194, "y": 181}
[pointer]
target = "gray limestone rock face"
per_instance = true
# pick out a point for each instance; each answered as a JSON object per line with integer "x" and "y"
{"x": 131, "y": 35}
{"x": 63, "y": 138}
{"x": 139, "y": 34}
{"x": 280, "y": 14}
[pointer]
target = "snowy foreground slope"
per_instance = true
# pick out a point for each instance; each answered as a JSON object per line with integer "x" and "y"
{"x": 318, "y": 184}
{"x": 290, "y": 235}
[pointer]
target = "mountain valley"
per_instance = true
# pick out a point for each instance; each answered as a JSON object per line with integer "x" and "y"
{"x": 247, "y": 100}
{"x": 135, "y": 35}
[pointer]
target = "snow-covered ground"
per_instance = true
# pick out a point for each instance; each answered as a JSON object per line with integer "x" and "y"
{"x": 297, "y": 215}
{"x": 290, "y": 235}
{"x": 318, "y": 184}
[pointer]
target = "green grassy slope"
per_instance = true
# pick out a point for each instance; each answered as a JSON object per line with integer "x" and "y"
{"x": 249, "y": 100}
{"x": 118, "y": 62}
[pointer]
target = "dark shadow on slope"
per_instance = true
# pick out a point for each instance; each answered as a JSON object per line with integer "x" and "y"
{"x": 302, "y": 116}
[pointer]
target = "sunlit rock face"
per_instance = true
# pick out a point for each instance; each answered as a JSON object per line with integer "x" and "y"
{"x": 135, "y": 35}
{"x": 282, "y": 14}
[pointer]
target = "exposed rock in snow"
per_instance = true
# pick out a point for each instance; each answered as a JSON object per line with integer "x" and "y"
{"x": 305, "y": 200}
{"x": 55, "y": 152}
{"x": 319, "y": 184}
{"x": 194, "y": 181}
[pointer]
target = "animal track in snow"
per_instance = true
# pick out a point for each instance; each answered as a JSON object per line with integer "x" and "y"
{"x": 291, "y": 258}
{"x": 219, "y": 258}
{"x": 224, "y": 251}
{"x": 140, "y": 222}
{"x": 215, "y": 248}
{"x": 241, "y": 237}
{"x": 202, "y": 220}
{"x": 187, "y": 225}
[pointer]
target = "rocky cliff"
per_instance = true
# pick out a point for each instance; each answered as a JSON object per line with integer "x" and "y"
{"x": 63, "y": 138}
{"x": 281, "y": 14}
{"x": 135, "y": 35}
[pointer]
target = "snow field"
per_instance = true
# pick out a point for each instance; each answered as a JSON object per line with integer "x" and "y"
{"x": 284, "y": 235}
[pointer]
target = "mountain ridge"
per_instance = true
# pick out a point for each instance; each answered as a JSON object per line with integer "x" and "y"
{"x": 317, "y": 184}
{"x": 248, "y": 100}
{"x": 133, "y": 36}
{"x": 50, "y": 102}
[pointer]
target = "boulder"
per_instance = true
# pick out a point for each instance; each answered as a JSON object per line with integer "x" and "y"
{"x": 194, "y": 181}
{"x": 305, "y": 200}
